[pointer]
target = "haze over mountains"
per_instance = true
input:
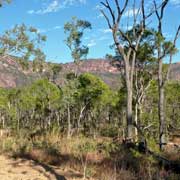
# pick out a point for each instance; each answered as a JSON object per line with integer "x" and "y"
{"x": 13, "y": 75}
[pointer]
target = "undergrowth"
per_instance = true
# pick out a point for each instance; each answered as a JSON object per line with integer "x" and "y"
{"x": 99, "y": 158}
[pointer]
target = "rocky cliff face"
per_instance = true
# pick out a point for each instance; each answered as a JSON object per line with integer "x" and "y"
{"x": 93, "y": 66}
{"x": 175, "y": 71}
{"x": 13, "y": 75}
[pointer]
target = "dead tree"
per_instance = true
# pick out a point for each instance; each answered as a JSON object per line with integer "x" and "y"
{"x": 129, "y": 54}
{"x": 162, "y": 79}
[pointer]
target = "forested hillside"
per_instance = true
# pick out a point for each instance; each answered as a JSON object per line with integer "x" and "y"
{"x": 115, "y": 118}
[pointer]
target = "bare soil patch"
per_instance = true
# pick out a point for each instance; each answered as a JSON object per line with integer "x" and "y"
{"x": 23, "y": 169}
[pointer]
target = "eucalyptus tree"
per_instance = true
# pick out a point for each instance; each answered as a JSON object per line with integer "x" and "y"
{"x": 23, "y": 42}
{"x": 164, "y": 48}
{"x": 46, "y": 97}
{"x": 143, "y": 73}
{"x": 150, "y": 117}
{"x": 128, "y": 55}
{"x": 94, "y": 96}
{"x": 75, "y": 30}
{"x": 68, "y": 104}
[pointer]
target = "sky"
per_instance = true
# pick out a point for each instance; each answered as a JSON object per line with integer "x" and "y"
{"x": 49, "y": 17}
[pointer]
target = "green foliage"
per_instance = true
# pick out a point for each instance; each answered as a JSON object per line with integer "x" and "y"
{"x": 25, "y": 105}
{"x": 86, "y": 147}
{"x": 150, "y": 109}
{"x": 75, "y": 29}
{"x": 172, "y": 103}
{"x": 93, "y": 90}
{"x": 121, "y": 97}
{"x": 56, "y": 69}
{"x": 23, "y": 42}
{"x": 146, "y": 48}
{"x": 85, "y": 102}
{"x": 70, "y": 76}
{"x": 45, "y": 93}
{"x": 167, "y": 46}
{"x": 6, "y": 145}
{"x": 152, "y": 144}
{"x": 69, "y": 92}
{"x": 109, "y": 131}
{"x": 108, "y": 147}
{"x": 3, "y": 98}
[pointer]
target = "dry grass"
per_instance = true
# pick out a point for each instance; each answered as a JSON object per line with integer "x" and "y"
{"x": 96, "y": 158}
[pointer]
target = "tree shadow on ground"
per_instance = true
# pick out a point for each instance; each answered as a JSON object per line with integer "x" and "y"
{"x": 50, "y": 170}
{"x": 42, "y": 168}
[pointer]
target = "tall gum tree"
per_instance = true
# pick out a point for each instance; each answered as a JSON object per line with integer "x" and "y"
{"x": 114, "y": 20}
{"x": 75, "y": 30}
{"x": 25, "y": 43}
{"x": 164, "y": 48}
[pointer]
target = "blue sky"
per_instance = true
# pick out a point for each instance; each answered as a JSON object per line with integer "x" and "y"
{"x": 49, "y": 17}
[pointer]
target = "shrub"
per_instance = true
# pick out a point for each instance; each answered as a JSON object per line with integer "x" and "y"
{"x": 109, "y": 131}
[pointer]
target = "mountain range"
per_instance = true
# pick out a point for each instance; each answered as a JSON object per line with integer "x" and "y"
{"x": 12, "y": 74}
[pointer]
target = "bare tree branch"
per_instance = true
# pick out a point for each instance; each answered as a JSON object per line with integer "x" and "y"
{"x": 107, "y": 19}
{"x": 107, "y": 5}
{"x": 120, "y": 12}
{"x": 143, "y": 14}
{"x": 160, "y": 15}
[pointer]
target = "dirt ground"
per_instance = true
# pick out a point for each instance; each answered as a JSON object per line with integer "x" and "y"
{"x": 22, "y": 169}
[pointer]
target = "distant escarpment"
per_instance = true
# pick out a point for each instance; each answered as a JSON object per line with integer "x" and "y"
{"x": 12, "y": 74}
